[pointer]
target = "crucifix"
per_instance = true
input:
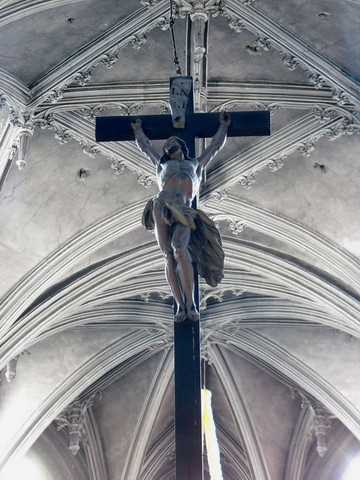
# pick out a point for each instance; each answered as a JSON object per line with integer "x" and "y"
{"x": 187, "y": 238}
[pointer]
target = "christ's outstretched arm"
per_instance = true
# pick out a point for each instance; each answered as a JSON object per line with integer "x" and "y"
{"x": 144, "y": 143}
{"x": 217, "y": 142}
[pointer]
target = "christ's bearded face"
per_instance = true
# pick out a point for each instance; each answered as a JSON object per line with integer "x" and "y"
{"x": 172, "y": 148}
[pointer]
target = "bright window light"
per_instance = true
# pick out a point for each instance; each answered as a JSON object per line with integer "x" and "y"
{"x": 353, "y": 470}
{"x": 25, "y": 467}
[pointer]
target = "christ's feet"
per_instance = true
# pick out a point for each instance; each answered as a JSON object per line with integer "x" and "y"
{"x": 188, "y": 314}
{"x": 180, "y": 315}
{"x": 192, "y": 314}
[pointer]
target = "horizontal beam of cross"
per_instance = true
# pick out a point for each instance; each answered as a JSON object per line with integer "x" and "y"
{"x": 157, "y": 127}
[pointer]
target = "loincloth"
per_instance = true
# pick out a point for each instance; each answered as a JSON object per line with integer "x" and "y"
{"x": 205, "y": 246}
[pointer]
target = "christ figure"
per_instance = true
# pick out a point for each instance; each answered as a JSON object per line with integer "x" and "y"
{"x": 182, "y": 232}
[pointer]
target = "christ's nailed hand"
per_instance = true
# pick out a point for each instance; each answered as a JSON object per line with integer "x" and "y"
{"x": 225, "y": 118}
{"x": 136, "y": 124}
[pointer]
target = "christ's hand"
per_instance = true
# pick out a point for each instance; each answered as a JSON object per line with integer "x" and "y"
{"x": 136, "y": 124}
{"x": 225, "y": 118}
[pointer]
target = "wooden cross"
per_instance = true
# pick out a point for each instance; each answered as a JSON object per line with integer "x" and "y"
{"x": 188, "y": 428}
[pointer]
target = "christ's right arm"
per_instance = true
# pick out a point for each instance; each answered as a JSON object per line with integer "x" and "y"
{"x": 143, "y": 143}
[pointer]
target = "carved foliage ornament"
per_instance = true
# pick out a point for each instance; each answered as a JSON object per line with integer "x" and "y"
{"x": 2, "y": 101}
{"x": 109, "y": 59}
{"x": 219, "y": 195}
{"x": 198, "y": 7}
{"x": 90, "y": 113}
{"x": 276, "y": 163}
{"x": 72, "y": 418}
{"x": 217, "y": 294}
{"x": 117, "y": 165}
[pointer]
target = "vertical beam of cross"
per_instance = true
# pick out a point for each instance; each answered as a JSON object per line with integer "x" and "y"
{"x": 187, "y": 336}
{"x": 188, "y": 427}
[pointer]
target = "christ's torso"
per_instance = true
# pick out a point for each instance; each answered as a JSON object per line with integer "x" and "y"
{"x": 180, "y": 176}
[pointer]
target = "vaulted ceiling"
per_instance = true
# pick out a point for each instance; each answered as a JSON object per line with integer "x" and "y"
{"x": 86, "y": 315}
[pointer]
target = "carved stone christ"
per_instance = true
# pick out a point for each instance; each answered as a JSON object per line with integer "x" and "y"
{"x": 183, "y": 233}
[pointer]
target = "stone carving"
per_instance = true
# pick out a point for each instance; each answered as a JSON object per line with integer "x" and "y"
{"x": 219, "y": 195}
{"x": 290, "y": 61}
{"x": 198, "y": 52}
{"x": 264, "y": 43}
{"x": 236, "y": 24}
{"x": 89, "y": 150}
{"x": 247, "y": 181}
{"x": 91, "y": 112}
{"x": 145, "y": 297}
{"x": 218, "y": 295}
{"x": 23, "y": 146}
{"x": 236, "y": 226}
{"x": 163, "y": 23}
{"x": 55, "y": 95}
{"x": 340, "y": 97}
{"x": 13, "y": 151}
{"x": 165, "y": 109}
{"x": 45, "y": 121}
{"x": 145, "y": 180}
{"x": 16, "y": 118}
{"x": 206, "y": 353}
{"x": 323, "y": 114}
{"x": 109, "y": 59}
{"x": 117, "y": 165}
{"x": 25, "y": 125}
{"x": 321, "y": 420}
{"x": 10, "y": 372}
{"x": 318, "y": 80}
{"x": 164, "y": 295}
{"x": 137, "y": 41}
{"x": 81, "y": 78}
{"x": 306, "y": 148}
{"x": 198, "y": 7}
{"x": 2, "y": 101}
{"x": 72, "y": 418}
{"x": 321, "y": 425}
{"x": 340, "y": 128}
{"x": 62, "y": 135}
{"x": 350, "y": 129}
{"x": 276, "y": 163}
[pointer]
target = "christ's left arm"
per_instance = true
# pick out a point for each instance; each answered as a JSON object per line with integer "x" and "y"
{"x": 217, "y": 142}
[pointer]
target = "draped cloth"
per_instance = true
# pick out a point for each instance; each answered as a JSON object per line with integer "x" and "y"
{"x": 205, "y": 246}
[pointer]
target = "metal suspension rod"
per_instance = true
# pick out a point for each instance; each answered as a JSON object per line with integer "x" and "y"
{"x": 176, "y": 59}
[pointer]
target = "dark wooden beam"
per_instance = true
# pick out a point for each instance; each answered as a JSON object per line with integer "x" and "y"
{"x": 201, "y": 125}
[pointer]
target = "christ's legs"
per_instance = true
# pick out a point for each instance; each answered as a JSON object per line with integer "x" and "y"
{"x": 179, "y": 244}
{"x": 163, "y": 237}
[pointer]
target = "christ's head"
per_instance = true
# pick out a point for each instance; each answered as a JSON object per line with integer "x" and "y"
{"x": 175, "y": 149}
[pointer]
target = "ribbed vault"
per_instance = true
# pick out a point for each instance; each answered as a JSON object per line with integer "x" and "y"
{"x": 86, "y": 329}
